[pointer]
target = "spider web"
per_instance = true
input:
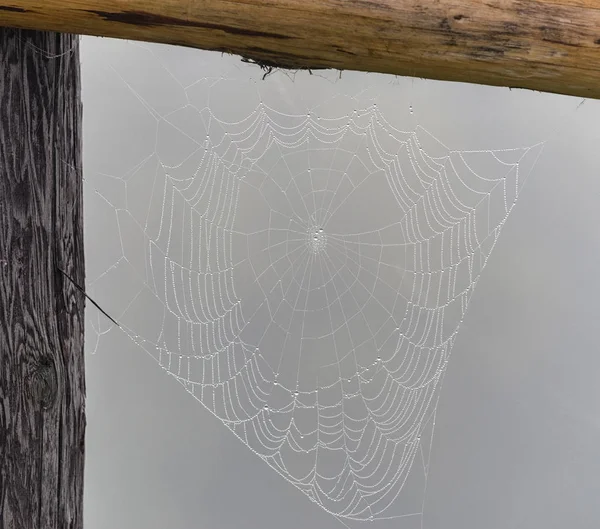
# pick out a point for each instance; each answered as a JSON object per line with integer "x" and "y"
{"x": 304, "y": 274}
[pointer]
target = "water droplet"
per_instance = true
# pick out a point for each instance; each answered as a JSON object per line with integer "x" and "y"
{"x": 296, "y": 393}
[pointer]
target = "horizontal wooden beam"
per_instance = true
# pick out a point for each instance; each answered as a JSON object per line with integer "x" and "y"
{"x": 546, "y": 45}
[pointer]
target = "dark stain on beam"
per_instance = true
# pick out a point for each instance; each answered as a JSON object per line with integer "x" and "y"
{"x": 142, "y": 18}
{"x": 345, "y": 51}
{"x": 486, "y": 52}
{"x": 555, "y": 36}
{"x": 370, "y": 4}
{"x": 494, "y": 42}
{"x": 13, "y": 9}
{"x": 511, "y": 28}
{"x": 445, "y": 25}
{"x": 562, "y": 43}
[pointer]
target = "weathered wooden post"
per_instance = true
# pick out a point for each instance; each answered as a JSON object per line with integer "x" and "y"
{"x": 42, "y": 384}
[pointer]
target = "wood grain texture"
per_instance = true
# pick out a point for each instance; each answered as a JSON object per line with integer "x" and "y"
{"x": 547, "y": 45}
{"x": 42, "y": 385}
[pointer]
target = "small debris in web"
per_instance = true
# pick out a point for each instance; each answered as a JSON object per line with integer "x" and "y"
{"x": 82, "y": 290}
{"x": 270, "y": 66}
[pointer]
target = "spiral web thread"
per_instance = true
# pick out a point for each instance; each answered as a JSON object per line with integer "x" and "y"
{"x": 304, "y": 276}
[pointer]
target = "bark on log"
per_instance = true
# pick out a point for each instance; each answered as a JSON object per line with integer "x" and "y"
{"x": 42, "y": 386}
{"x": 547, "y": 45}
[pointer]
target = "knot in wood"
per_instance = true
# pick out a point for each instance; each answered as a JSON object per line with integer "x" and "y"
{"x": 43, "y": 383}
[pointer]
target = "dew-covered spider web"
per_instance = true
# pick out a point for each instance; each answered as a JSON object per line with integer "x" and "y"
{"x": 302, "y": 266}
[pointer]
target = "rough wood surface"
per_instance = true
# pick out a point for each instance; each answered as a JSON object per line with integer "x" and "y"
{"x": 42, "y": 387}
{"x": 547, "y": 45}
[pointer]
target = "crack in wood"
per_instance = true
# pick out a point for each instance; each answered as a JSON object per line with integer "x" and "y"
{"x": 13, "y": 9}
{"x": 143, "y": 18}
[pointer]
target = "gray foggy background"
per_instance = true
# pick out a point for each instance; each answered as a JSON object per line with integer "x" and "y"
{"x": 517, "y": 422}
